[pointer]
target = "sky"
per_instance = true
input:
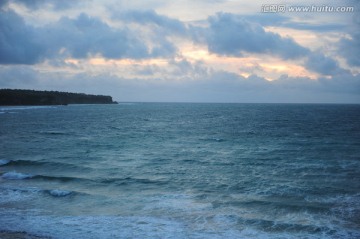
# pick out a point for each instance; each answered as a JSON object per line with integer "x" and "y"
{"x": 183, "y": 50}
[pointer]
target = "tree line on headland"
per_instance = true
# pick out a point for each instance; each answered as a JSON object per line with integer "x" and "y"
{"x": 34, "y": 97}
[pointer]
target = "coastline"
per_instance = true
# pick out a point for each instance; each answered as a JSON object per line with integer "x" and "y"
{"x": 17, "y": 97}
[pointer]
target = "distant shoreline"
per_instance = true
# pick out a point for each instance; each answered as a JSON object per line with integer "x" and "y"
{"x": 11, "y": 97}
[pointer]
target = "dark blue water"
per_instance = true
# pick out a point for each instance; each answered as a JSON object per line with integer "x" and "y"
{"x": 181, "y": 171}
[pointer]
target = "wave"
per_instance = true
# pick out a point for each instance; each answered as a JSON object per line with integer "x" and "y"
{"x": 13, "y": 175}
{"x": 41, "y": 163}
{"x": 63, "y": 179}
{"x": 152, "y": 226}
{"x": 55, "y": 133}
{"x": 24, "y": 163}
{"x": 130, "y": 180}
{"x": 114, "y": 127}
{"x": 273, "y": 226}
{"x": 10, "y": 194}
{"x": 16, "y": 176}
{"x": 213, "y": 140}
{"x": 59, "y": 193}
{"x": 4, "y": 162}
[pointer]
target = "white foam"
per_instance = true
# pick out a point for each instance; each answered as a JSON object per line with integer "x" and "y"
{"x": 59, "y": 193}
{"x": 7, "y": 108}
{"x": 11, "y": 195}
{"x": 16, "y": 176}
{"x": 106, "y": 227}
{"x": 4, "y": 162}
{"x": 147, "y": 225}
{"x": 177, "y": 202}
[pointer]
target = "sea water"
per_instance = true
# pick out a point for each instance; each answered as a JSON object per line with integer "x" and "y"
{"x": 156, "y": 170}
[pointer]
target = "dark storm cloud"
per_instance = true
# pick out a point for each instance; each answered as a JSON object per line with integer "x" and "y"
{"x": 160, "y": 29}
{"x": 19, "y": 43}
{"x": 319, "y": 63}
{"x": 87, "y": 35}
{"x": 232, "y": 36}
{"x": 79, "y": 38}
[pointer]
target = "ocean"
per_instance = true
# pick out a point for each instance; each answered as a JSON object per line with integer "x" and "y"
{"x": 176, "y": 170}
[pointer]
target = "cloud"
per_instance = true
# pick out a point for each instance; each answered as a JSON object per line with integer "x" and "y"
{"x": 350, "y": 49}
{"x": 160, "y": 30}
{"x": 80, "y": 37}
{"x": 349, "y": 45}
{"x": 211, "y": 86}
{"x": 232, "y": 35}
{"x": 150, "y": 17}
{"x": 86, "y": 35}
{"x": 37, "y": 4}
{"x": 322, "y": 64}
{"x": 19, "y": 43}
{"x": 222, "y": 86}
{"x": 17, "y": 77}
{"x": 345, "y": 83}
{"x": 135, "y": 34}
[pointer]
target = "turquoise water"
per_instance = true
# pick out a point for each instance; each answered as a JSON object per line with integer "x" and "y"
{"x": 156, "y": 170}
